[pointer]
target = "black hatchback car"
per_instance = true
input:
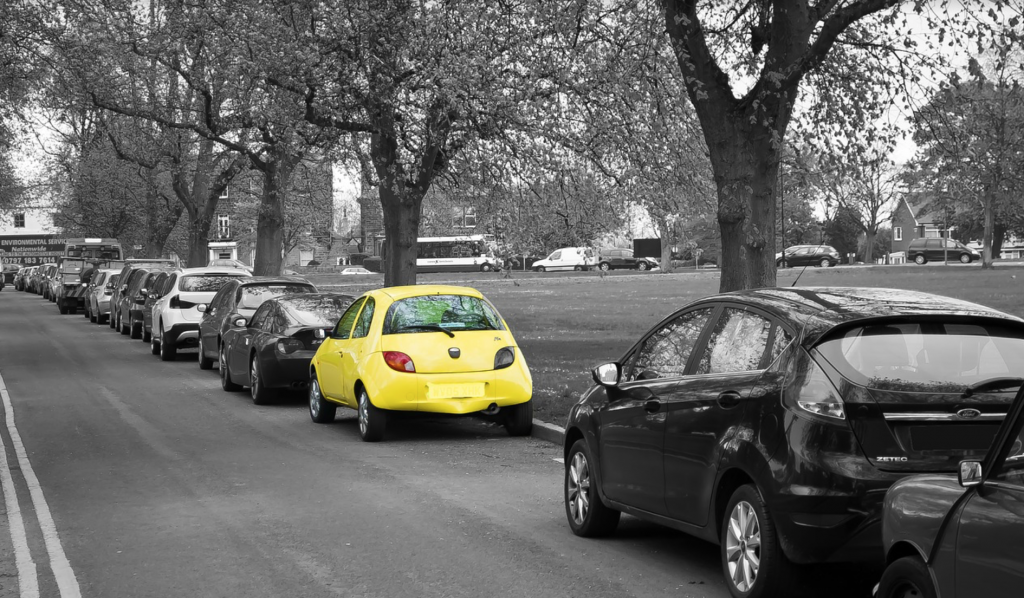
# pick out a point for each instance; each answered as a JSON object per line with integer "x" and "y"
{"x": 773, "y": 421}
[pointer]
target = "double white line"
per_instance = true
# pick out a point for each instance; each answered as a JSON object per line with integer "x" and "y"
{"x": 28, "y": 580}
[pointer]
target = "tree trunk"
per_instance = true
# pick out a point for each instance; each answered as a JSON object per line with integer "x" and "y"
{"x": 666, "y": 245}
{"x": 869, "y": 246}
{"x": 998, "y": 238}
{"x": 198, "y": 240}
{"x": 277, "y": 176}
{"x": 986, "y": 240}
{"x": 401, "y": 229}
{"x": 746, "y": 182}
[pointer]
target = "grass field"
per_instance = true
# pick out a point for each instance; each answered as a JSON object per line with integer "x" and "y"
{"x": 566, "y": 324}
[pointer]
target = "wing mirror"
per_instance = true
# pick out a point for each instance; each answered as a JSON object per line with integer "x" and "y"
{"x": 970, "y": 474}
{"x": 606, "y": 374}
{"x": 202, "y": 307}
{"x": 124, "y": 288}
{"x": 239, "y": 321}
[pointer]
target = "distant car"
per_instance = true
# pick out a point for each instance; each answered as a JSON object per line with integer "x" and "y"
{"x": 923, "y": 250}
{"x": 8, "y": 273}
{"x": 157, "y": 287}
{"x": 20, "y": 279}
{"x": 961, "y": 536}
{"x": 615, "y": 258}
{"x": 238, "y": 300}
{"x": 142, "y": 301}
{"x": 272, "y": 351}
{"x": 807, "y": 255}
{"x": 567, "y": 258}
{"x": 772, "y": 421}
{"x": 28, "y": 279}
{"x": 97, "y": 297}
{"x": 175, "y": 315}
{"x": 432, "y": 349}
{"x": 224, "y": 263}
{"x": 128, "y": 309}
{"x": 355, "y": 270}
{"x": 131, "y": 265}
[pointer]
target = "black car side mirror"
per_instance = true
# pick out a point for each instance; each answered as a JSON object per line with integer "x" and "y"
{"x": 238, "y": 321}
{"x": 606, "y": 374}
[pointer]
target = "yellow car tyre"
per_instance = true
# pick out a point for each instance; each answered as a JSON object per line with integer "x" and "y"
{"x": 518, "y": 419}
{"x": 372, "y": 420}
{"x": 588, "y": 516}
{"x": 320, "y": 411}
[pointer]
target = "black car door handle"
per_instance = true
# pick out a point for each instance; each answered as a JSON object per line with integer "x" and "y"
{"x": 729, "y": 398}
{"x": 652, "y": 406}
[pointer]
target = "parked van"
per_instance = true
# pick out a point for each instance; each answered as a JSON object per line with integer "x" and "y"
{"x": 923, "y": 250}
{"x": 567, "y": 258}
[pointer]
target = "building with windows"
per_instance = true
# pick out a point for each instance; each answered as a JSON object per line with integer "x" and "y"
{"x": 913, "y": 219}
{"x": 28, "y": 220}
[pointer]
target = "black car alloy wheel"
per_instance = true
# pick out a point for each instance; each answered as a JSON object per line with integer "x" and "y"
{"x": 588, "y": 516}
{"x": 752, "y": 558}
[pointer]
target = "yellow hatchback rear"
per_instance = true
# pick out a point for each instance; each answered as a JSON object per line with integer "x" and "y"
{"x": 437, "y": 349}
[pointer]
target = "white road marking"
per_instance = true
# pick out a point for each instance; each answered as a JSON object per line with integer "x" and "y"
{"x": 28, "y": 581}
{"x": 67, "y": 583}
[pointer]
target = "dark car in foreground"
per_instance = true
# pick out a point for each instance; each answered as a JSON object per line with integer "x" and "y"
{"x": 237, "y": 301}
{"x": 961, "y": 536}
{"x": 773, "y": 421}
{"x": 272, "y": 351}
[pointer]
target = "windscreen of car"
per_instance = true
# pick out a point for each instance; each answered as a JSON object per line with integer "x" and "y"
{"x": 452, "y": 312}
{"x": 314, "y": 311}
{"x": 204, "y": 283}
{"x": 926, "y": 356}
{"x": 252, "y": 296}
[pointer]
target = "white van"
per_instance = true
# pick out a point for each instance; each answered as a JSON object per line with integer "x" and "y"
{"x": 567, "y": 258}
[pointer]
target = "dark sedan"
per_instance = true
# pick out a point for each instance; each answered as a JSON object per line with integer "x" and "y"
{"x": 239, "y": 299}
{"x": 772, "y": 421}
{"x": 960, "y": 536}
{"x": 273, "y": 350}
{"x": 807, "y": 255}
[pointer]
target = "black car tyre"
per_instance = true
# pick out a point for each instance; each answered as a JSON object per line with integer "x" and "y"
{"x": 85, "y": 311}
{"x": 752, "y": 559}
{"x": 320, "y": 411}
{"x": 154, "y": 345}
{"x": 111, "y": 319}
{"x": 146, "y": 335}
{"x": 518, "y": 419}
{"x": 825, "y": 262}
{"x": 93, "y": 317}
{"x": 205, "y": 363}
{"x": 578, "y": 268}
{"x": 605, "y": 266}
{"x": 541, "y": 269}
{"x": 63, "y": 309}
{"x": 486, "y": 267}
{"x": 261, "y": 395}
{"x": 134, "y": 329}
{"x": 588, "y": 516}
{"x": 907, "y": 577}
{"x": 225, "y": 377}
{"x": 641, "y": 266}
{"x": 920, "y": 260}
{"x": 372, "y": 420}
{"x": 121, "y": 326}
{"x": 965, "y": 259}
{"x": 168, "y": 351}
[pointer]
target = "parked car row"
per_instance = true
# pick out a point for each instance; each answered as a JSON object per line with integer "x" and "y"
{"x": 790, "y": 426}
{"x": 586, "y": 258}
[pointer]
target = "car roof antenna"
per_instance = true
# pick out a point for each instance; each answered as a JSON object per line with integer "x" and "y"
{"x": 799, "y": 275}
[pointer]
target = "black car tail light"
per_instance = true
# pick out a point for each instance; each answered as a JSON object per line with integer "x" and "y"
{"x": 809, "y": 391}
{"x": 504, "y": 357}
{"x": 287, "y": 346}
{"x": 178, "y": 303}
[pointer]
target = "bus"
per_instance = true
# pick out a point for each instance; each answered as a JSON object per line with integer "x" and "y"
{"x": 467, "y": 253}
{"x": 79, "y": 255}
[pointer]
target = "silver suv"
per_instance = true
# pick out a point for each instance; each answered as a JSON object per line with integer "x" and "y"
{"x": 175, "y": 317}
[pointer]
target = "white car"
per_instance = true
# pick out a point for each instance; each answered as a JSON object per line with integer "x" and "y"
{"x": 567, "y": 258}
{"x": 175, "y": 317}
{"x": 355, "y": 270}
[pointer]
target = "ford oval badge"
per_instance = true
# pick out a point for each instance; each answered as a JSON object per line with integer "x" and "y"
{"x": 968, "y": 414}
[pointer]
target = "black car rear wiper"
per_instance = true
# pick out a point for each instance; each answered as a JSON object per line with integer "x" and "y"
{"x": 1001, "y": 383}
{"x": 433, "y": 327}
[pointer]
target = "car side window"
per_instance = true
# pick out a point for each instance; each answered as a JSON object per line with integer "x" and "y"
{"x": 363, "y": 324}
{"x": 779, "y": 343}
{"x": 260, "y": 317}
{"x": 736, "y": 344}
{"x": 272, "y": 321}
{"x": 344, "y": 327}
{"x": 664, "y": 354}
{"x": 1011, "y": 470}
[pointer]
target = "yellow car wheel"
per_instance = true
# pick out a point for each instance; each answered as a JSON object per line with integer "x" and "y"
{"x": 372, "y": 420}
{"x": 518, "y": 419}
{"x": 320, "y": 411}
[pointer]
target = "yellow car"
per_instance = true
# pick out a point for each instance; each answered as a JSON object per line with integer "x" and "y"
{"x": 434, "y": 349}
